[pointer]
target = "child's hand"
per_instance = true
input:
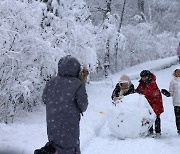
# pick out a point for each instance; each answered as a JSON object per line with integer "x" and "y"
{"x": 115, "y": 99}
{"x": 165, "y": 92}
{"x": 138, "y": 91}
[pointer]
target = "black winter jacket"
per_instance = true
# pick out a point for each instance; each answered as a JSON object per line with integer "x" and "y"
{"x": 117, "y": 90}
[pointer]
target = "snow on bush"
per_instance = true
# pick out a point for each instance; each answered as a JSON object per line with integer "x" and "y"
{"x": 30, "y": 49}
{"x": 131, "y": 117}
{"x": 110, "y": 43}
{"x": 140, "y": 43}
{"x": 71, "y": 30}
{"x": 26, "y": 61}
{"x": 169, "y": 46}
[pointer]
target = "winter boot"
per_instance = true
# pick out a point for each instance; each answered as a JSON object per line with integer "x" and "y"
{"x": 150, "y": 132}
{"x": 47, "y": 149}
{"x": 157, "y": 135}
{"x": 178, "y": 132}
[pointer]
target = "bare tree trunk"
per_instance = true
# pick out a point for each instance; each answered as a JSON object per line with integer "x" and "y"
{"x": 116, "y": 51}
{"x": 108, "y": 9}
{"x": 141, "y": 6}
{"x": 141, "y": 9}
{"x": 120, "y": 24}
{"x": 122, "y": 14}
{"x": 106, "y": 60}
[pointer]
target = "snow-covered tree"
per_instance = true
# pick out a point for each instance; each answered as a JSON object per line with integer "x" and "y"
{"x": 165, "y": 15}
{"x": 35, "y": 34}
{"x": 140, "y": 44}
{"x": 30, "y": 48}
{"x": 110, "y": 43}
{"x": 26, "y": 60}
{"x": 161, "y": 19}
{"x": 68, "y": 27}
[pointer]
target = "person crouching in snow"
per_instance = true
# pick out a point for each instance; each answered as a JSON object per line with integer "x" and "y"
{"x": 148, "y": 87}
{"x": 123, "y": 87}
{"x": 174, "y": 91}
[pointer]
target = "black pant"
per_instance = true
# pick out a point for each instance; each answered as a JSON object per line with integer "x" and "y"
{"x": 177, "y": 115}
{"x": 157, "y": 125}
{"x": 179, "y": 59}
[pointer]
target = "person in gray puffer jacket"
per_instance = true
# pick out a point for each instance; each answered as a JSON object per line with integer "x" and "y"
{"x": 66, "y": 99}
{"x": 174, "y": 91}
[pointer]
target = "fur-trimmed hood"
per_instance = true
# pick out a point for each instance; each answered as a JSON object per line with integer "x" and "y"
{"x": 125, "y": 79}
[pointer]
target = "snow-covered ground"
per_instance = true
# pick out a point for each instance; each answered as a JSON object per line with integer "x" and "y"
{"x": 29, "y": 133}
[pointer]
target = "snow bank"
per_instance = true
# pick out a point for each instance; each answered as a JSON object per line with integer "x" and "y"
{"x": 154, "y": 66}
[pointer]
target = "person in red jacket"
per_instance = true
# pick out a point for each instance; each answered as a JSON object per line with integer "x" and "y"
{"x": 148, "y": 87}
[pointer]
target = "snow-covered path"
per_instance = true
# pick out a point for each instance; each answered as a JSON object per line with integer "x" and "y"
{"x": 29, "y": 133}
{"x": 104, "y": 142}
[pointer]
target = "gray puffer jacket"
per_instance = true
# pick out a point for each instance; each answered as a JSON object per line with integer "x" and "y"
{"x": 65, "y": 98}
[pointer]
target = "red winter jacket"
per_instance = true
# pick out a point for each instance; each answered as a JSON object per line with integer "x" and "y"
{"x": 152, "y": 94}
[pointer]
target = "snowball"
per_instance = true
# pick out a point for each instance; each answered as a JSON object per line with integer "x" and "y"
{"x": 131, "y": 117}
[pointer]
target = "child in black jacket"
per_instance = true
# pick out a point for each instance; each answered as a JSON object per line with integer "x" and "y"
{"x": 123, "y": 88}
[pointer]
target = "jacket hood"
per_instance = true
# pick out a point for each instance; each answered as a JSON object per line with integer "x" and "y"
{"x": 177, "y": 68}
{"x": 69, "y": 66}
{"x": 151, "y": 77}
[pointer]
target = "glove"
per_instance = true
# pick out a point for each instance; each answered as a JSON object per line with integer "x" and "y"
{"x": 115, "y": 99}
{"x": 120, "y": 97}
{"x": 138, "y": 91}
{"x": 165, "y": 92}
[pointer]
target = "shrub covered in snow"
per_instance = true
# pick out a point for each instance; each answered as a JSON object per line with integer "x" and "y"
{"x": 30, "y": 48}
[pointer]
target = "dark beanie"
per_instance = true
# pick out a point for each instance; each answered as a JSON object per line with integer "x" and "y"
{"x": 145, "y": 73}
